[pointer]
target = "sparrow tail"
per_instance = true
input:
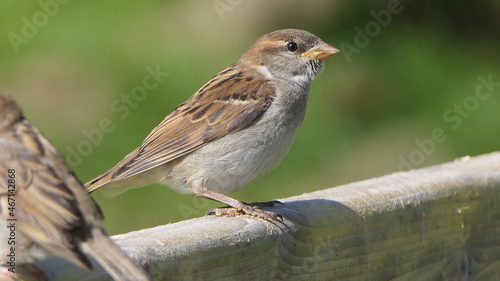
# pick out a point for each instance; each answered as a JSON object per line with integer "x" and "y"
{"x": 97, "y": 182}
{"x": 113, "y": 259}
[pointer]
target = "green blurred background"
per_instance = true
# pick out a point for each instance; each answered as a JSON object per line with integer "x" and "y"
{"x": 369, "y": 110}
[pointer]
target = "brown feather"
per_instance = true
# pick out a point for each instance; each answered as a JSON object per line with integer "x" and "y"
{"x": 52, "y": 208}
{"x": 46, "y": 207}
{"x": 220, "y": 107}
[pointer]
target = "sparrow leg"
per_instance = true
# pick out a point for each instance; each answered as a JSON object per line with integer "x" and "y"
{"x": 239, "y": 208}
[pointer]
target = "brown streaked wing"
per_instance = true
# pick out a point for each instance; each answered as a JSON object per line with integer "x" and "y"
{"x": 46, "y": 209}
{"x": 226, "y": 104}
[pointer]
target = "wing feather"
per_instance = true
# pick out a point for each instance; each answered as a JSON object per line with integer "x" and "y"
{"x": 46, "y": 206}
{"x": 228, "y": 103}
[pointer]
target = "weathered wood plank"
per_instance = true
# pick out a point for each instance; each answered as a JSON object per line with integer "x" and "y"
{"x": 437, "y": 223}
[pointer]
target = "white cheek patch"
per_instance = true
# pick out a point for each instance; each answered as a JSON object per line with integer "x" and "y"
{"x": 264, "y": 71}
{"x": 312, "y": 69}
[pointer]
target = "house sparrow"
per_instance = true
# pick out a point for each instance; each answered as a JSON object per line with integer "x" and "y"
{"x": 46, "y": 207}
{"x": 234, "y": 129}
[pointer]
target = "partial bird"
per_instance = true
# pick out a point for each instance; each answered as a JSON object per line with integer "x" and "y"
{"x": 49, "y": 208}
{"x": 234, "y": 129}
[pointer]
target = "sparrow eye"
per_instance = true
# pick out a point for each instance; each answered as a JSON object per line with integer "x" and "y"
{"x": 292, "y": 46}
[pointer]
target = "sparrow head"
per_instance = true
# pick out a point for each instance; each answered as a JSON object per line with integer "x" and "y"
{"x": 289, "y": 54}
{"x": 9, "y": 111}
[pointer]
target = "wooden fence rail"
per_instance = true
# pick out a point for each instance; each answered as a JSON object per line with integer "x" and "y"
{"x": 436, "y": 223}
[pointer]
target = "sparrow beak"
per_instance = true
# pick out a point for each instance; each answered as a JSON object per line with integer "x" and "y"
{"x": 321, "y": 51}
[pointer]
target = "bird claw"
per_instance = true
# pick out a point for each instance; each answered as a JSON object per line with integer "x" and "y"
{"x": 251, "y": 209}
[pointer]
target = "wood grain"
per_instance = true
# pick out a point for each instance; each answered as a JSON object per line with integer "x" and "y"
{"x": 437, "y": 223}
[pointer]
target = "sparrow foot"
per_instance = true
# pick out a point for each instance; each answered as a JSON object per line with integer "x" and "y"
{"x": 251, "y": 209}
